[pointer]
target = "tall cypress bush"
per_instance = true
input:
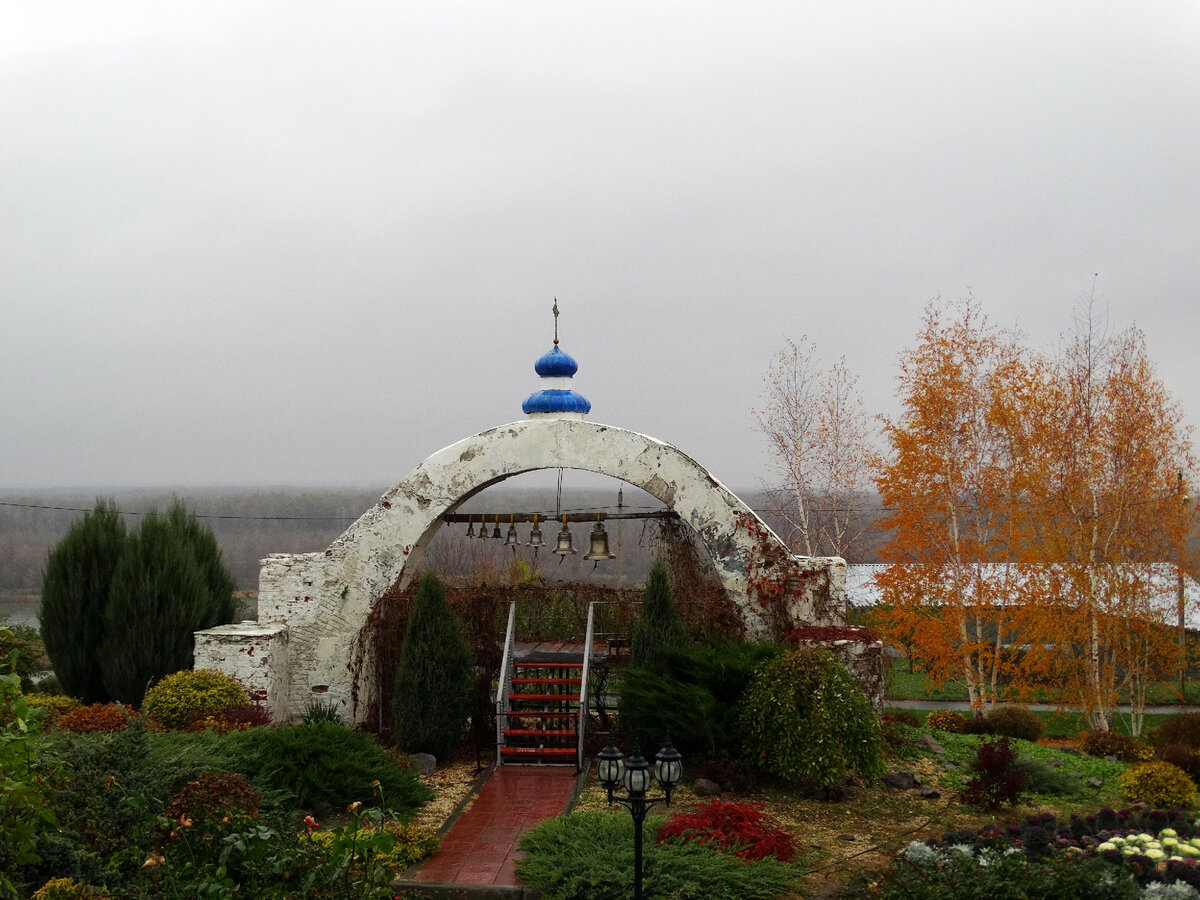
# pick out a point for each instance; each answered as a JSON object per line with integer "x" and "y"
{"x": 435, "y": 678}
{"x": 658, "y": 629}
{"x": 75, "y": 594}
{"x": 168, "y": 583}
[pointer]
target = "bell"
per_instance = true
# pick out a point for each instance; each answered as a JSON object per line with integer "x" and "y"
{"x": 483, "y": 526}
{"x": 564, "y": 547}
{"x": 600, "y": 544}
{"x": 470, "y": 527}
{"x": 511, "y": 539}
{"x": 535, "y": 535}
{"x": 496, "y": 531}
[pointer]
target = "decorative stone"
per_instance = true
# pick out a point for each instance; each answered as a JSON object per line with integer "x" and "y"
{"x": 904, "y": 781}
{"x": 929, "y": 741}
{"x": 847, "y": 837}
{"x": 702, "y": 787}
{"x": 1095, "y": 783}
{"x": 929, "y": 792}
{"x": 426, "y": 763}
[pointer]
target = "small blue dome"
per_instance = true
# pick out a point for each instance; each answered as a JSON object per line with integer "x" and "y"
{"x": 556, "y": 364}
{"x": 556, "y": 401}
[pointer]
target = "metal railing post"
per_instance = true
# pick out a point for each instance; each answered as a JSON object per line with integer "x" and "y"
{"x": 504, "y": 683}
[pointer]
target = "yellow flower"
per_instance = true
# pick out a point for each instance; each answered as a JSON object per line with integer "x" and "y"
{"x": 353, "y": 806}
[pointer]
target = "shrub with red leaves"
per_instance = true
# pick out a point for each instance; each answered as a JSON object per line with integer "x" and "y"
{"x": 96, "y": 717}
{"x": 740, "y": 827}
{"x": 213, "y": 796}
{"x": 997, "y": 781}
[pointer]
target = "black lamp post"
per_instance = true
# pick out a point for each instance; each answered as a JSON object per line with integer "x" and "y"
{"x": 635, "y": 774}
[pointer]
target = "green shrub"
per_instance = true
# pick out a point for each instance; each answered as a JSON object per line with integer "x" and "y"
{"x": 55, "y": 705}
{"x": 1158, "y": 783}
{"x": 588, "y": 855}
{"x": 321, "y": 767}
{"x": 658, "y": 629}
{"x": 1113, "y": 743}
{"x": 1042, "y": 779}
{"x": 76, "y": 583}
{"x": 697, "y": 700}
{"x": 321, "y": 711}
{"x": 946, "y": 720}
{"x": 171, "y": 582}
{"x": 1015, "y": 722}
{"x": 435, "y": 676}
{"x": 1181, "y": 729}
{"x": 183, "y": 697}
{"x": 806, "y": 720}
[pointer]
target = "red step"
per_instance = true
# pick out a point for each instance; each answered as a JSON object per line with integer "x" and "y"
{"x": 538, "y": 732}
{"x": 548, "y": 665}
{"x": 545, "y": 698}
{"x": 538, "y": 751}
{"x": 539, "y": 714}
{"x": 575, "y": 681}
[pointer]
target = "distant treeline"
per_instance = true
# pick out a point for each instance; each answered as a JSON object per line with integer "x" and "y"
{"x": 250, "y": 523}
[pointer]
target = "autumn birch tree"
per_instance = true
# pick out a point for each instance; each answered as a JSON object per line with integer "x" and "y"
{"x": 1105, "y": 481}
{"x": 950, "y": 487}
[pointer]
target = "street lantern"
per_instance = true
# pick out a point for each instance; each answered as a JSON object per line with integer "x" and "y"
{"x": 636, "y": 775}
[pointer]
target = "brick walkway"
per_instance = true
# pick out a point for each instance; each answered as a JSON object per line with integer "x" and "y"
{"x": 480, "y": 847}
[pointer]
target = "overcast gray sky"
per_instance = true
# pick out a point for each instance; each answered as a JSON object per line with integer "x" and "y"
{"x": 299, "y": 243}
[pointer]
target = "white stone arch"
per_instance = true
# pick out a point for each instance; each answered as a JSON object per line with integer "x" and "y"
{"x": 318, "y": 602}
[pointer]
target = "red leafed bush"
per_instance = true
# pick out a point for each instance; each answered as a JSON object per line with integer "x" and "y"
{"x": 740, "y": 827}
{"x": 96, "y": 717}
{"x": 997, "y": 780}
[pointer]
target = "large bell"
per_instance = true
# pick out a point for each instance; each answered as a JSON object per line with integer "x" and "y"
{"x": 511, "y": 539}
{"x": 565, "y": 547}
{"x": 600, "y": 544}
{"x": 535, "y": 535}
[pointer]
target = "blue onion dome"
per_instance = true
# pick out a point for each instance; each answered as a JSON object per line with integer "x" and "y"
{"x": 556, "y": 364}
{"x": 556, "y": 397}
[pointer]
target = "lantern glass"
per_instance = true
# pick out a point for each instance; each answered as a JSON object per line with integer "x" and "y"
{"x": 610, "y": 767}
{"x": 637, "y": 774}
{"x": 668, "y": 766}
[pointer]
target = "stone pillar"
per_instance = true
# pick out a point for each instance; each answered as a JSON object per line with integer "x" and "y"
{"x": 254, "y": 654}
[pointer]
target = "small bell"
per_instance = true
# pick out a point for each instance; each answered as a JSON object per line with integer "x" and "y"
{"x": 511, "y": 539}
{"x": 496, "y": 531}
{"x": 483, "y": 526}
{"x": 535, "y": 535}
{"x": 564, "y": 547}
{"x": 599, "y": 544}
{"x": 470, "y": 527}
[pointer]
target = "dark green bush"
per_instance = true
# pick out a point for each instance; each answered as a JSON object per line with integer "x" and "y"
{"x": 1042, "y": 779}
{"x": 170, "y": 581}
{"x": 321, "y": 711}
{"x": 1181, "y": 729}
{"x": 1015, "y": 722}
{"x": 589, "y": 855}
{"x": 435, "y": 676}
{"x": 75, "y": 591}
{"x": 321, "y": 767}
{"x": 697, "y": 699}
{"x": 806, "y": 720}
{"x": 658, "y": 629}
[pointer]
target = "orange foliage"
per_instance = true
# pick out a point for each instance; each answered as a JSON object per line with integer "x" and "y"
{"x": 1033, "y": 503}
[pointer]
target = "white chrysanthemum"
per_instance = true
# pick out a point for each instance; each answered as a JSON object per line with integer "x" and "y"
{"x": 1168, "y": 833}
{"x": 1106, "y": 846}
{"x": 919, "y": 854}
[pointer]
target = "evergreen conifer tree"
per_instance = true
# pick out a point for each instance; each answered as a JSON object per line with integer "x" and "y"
{"x": 659, "y": 628}
{"x": 169, "y": 583}
{"x": 435, "y": 676}
{"x": 75, "y": 595}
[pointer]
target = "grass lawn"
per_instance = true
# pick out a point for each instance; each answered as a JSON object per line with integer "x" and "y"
{"x": 902, "y": 685}
{"x": 1060, "y": 724}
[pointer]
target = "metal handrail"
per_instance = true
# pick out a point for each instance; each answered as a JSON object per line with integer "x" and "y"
{"x": 583, "y": 686}
{"x": 505, "y": 682}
